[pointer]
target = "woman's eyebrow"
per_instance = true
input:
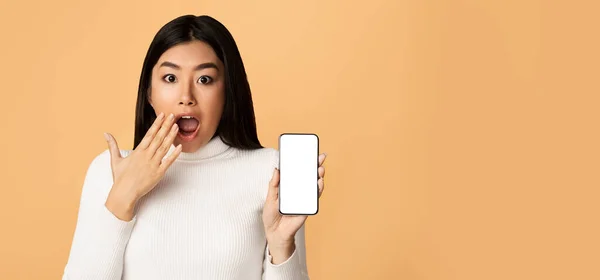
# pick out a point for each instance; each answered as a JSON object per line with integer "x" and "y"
{"x": 198, "y": 67}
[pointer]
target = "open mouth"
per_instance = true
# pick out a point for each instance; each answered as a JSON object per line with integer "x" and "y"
{"x": 188, "y": 127}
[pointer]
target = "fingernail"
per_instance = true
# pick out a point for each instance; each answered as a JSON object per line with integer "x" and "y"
{"x": 171, "y": 116}
{"x": 106, "y": 136}
{"x": 161, "y": 115}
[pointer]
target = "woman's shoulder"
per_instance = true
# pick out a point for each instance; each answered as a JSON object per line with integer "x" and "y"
{"x": 104, "y": 156}
{"x": 262, "y": 156}
{"x": 100, "y": 160}
{"x": 100, "y": 163}
{"x": 261, "y": 164}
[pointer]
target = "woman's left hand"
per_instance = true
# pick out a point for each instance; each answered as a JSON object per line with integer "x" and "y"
{"x": 281, "y": 229}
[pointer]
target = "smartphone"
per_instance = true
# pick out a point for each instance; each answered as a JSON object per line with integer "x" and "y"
{"x": 298, "y": 174}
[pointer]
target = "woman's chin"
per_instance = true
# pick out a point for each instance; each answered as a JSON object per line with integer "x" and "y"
{"x": 188, "y": 146}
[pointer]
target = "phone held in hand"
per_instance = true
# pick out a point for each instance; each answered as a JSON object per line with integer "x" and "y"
{"x": 298, "y": 174}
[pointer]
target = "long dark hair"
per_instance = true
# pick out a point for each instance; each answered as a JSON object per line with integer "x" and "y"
{"x": 237, "y": 127}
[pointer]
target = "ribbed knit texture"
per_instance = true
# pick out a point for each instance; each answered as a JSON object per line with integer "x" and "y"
{"x": 202, "y": 221}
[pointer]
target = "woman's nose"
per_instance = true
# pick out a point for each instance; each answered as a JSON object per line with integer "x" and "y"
{"x": 187, "y": 101}
{"x": 187, "y": 97}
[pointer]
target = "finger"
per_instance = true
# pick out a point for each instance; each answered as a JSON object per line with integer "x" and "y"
{"x": 321, "y": 171}
{"x": 322, "y": 158}
{"x": 168, "y": 161}
{"x": 321, "y": 185}
{"x": 152, "y": 131}
{"x": 160, "y": 135}
{"x": 164, "y": 148}
{"x": 272, "y": 193}
{"x": 113, "y": 147}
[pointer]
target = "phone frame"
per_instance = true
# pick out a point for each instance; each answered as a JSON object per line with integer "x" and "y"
{"x": 317, "y": 173}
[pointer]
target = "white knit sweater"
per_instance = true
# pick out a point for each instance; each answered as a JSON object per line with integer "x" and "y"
{"x": 202, "y": 221}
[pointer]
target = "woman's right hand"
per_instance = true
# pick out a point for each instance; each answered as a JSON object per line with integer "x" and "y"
{"x": 138, "y": 173}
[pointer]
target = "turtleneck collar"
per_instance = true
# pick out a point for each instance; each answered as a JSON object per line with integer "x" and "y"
{"x": 213, "y": 148}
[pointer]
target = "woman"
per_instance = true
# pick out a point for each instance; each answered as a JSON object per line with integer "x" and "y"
{"x": 196, "y": 198}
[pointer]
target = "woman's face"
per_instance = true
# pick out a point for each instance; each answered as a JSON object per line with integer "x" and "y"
{"x": 188, "y": 81}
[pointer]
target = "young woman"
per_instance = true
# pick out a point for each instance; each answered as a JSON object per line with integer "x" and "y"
{"x": 197, "y": 197}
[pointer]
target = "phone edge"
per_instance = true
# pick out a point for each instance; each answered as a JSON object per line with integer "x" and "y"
{"x": 279, "y": 165}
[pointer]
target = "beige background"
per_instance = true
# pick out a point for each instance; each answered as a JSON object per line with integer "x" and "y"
{"x": 463, "y": 135}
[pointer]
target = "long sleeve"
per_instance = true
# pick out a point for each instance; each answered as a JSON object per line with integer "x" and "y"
{"x": 294, "y": 268}
{"x": 100, "y": 238}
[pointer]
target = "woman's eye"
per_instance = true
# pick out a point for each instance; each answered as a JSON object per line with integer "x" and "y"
{"x": 169, "y": 78}
{"x": 205, "y": 79}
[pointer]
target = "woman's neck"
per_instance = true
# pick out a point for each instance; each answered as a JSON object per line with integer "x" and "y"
{"x": 213, "y": 148}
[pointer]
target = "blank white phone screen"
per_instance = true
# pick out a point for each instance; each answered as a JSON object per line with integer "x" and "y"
{"x": 298, "y": 163}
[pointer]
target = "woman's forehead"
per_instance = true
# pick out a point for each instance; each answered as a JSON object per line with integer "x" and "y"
{"x": 189, "y": 54}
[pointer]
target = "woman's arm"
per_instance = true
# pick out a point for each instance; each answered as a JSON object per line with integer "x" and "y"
{"x": 293, "y": 268}
{"x": 100, "y": 237}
